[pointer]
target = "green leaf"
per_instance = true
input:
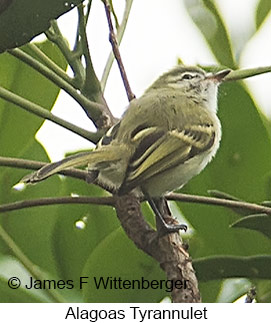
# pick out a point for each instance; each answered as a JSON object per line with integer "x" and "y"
{"x": 263, "y": 9}
{"x": 244, "y": 157}
{"x": 18, "y": 127}
{"x": 21, "y": 20}
{"x": 210, "y": 290}
{"x": 19, "y": 295}
{"x": 258, "y": 222}
{"x": 241, "y": 168}
{"x": 11, "y": 268}
{"x": 30, "y": 228}
{"x": 233, "y": 289}
{"x": 207, "y": 18}
{"x": 117, "y": 257}
{"x": 219, "y": 267}
{"x": 263, "y": 288}
{"x": 79, "y": 229}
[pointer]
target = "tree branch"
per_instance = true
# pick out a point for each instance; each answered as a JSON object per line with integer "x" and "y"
{"x": 167, "y": 250}
{"x": 114, "y": 43}
{"x": 254, "y": 208}
{"x": 81, "y": 174}
{"x": 19, "y": 205}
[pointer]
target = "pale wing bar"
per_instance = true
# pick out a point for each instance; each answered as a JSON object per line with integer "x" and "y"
{"x": 166, "y": 150}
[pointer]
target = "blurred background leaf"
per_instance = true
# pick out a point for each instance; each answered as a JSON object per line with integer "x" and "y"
{"x": 209, "y": 21}
{"x": 31, "y": 229}
{"x": 17, "y": 126}
{"x": 79, "y": 229}
{"x": 212, "y": 268}
{"x": 258, "y": 222}
{"x": 240, "y": 169}
{"x": 116, "y": 256}
{"x": 21, "y": 20}
{"x": 10, "y": 267}
{"x": 262, "y": 11}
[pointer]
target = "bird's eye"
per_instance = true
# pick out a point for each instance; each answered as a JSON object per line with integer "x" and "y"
{"x": 187, "y": 76}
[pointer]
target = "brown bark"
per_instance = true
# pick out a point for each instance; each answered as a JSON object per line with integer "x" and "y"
{"x": 168, "y": 250}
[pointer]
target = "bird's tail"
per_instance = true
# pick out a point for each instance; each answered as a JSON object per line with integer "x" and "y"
{"x": 80, "y": 159}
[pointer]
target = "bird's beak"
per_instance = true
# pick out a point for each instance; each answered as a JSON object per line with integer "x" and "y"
{"x": 219, "y": 76}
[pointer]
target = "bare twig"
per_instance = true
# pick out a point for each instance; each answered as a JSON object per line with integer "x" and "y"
{"x": 119, "y": 36}
{"x": 254, "y": 208}
{"x": 114, "y": 43}
{"x": 80, "y": 174}
{"x": 19, "y": 205}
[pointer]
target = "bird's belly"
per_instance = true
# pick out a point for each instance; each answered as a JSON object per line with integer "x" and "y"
{"x": 177, "y": 176}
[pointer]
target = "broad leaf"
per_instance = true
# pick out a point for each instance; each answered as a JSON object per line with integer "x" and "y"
{"x": 207, "y": 18}
{"x": 21, "y": 20}
{"x": 241, "y": 168}
{"x": 117, "y": 258}
{"x": 211, "y": 268}
{"x": 17, "y": 126}
{"x": 258, "y": 222}
{"x": 30, "y": 228}
{"x": 79, "y": 229}
{"x": 263, "y": 10}
{"x": 12, "y": 270}
{"x": 8, "y": 295}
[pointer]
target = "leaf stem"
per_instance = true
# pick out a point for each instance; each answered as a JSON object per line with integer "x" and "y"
{"x": 43, "y": 113}
{"x": 73, "y": 57}
{"x": 47, "y": 61}
{"x": 246, "y": 73}
{"x": 254, "y": 208}
{"x": 92, "y": 109}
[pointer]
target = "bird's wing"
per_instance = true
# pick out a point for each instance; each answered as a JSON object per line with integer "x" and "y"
{"x": 158, "y": 151}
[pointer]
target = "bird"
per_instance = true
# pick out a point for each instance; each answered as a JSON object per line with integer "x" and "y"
{"x": 164, "y": 138}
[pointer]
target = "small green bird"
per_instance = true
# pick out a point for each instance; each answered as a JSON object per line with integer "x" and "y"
{"x": 165, "y": 137}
